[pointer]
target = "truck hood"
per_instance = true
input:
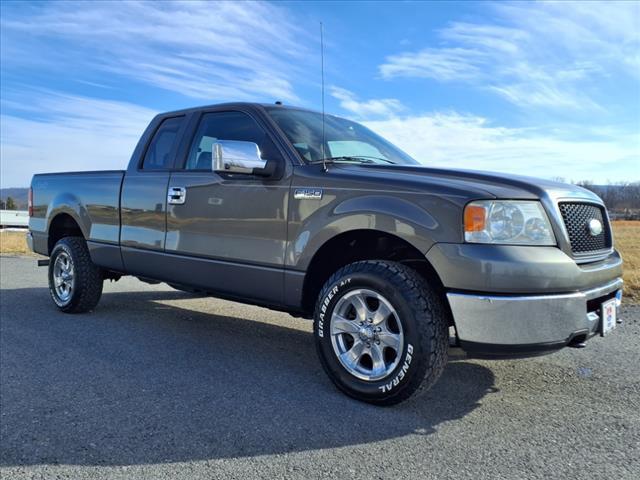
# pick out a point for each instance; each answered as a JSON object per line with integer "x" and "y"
{"x": 492, "y": 184}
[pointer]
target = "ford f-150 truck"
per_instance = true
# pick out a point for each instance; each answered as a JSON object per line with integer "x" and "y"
{"x": 320, "y": 217}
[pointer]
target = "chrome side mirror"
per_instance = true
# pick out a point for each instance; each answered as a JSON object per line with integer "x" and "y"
{"x": 233, "y": 156}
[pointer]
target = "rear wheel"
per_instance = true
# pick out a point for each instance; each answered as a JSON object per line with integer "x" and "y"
{"x": 381, "y": 332}
{"x": 75, "y": 282}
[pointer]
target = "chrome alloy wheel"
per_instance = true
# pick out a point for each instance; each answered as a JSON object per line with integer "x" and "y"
{"x": 63, "y": 277}
{"x": 366, "y": 334}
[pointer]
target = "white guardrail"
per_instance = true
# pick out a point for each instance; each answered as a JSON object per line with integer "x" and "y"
{"x": 14, "y": 218}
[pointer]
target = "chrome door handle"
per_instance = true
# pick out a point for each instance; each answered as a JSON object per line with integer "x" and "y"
{"x": 177, "y": 195}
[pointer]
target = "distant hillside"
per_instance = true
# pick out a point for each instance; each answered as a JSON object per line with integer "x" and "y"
{"x": 19, "y": 195}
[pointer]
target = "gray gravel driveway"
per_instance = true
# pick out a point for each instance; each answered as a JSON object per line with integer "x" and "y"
{"x": 161, "y": 384}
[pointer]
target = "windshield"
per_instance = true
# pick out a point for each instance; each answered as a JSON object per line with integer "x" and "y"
{"x": 345, "y": 140}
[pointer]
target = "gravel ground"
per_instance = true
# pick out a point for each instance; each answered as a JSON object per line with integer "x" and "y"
{"x": 160, "y": 384}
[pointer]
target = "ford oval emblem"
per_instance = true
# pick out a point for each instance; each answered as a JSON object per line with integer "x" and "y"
{"x": 595, "y": 227}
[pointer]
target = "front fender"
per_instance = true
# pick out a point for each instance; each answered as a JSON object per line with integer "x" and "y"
{"x": 406, "y": 219}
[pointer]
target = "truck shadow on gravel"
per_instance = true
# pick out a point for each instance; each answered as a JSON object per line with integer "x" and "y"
{"x": 138, "y": 382}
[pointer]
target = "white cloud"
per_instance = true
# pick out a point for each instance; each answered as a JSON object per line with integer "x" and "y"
{"x": 535, "y": 54}
{"x": 205, "y": 50}
{"x": 75, "y": 133}
{"x": 440, "y": 64}
{"x": 383, "y": 107}
{"x": 466, "y": 141}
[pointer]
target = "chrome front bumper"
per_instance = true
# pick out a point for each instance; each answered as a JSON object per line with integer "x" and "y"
{"x": 513, "y": 324}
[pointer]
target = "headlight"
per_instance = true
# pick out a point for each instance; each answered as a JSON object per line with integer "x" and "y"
{"x": 507, "y": 222}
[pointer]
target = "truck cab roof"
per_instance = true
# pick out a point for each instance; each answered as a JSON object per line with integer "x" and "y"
{"x": 233, "y": 105}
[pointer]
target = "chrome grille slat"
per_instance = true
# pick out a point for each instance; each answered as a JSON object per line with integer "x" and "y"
{"x": 576, "y": 217}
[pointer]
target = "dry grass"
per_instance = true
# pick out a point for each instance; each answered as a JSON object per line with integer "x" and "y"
{"x": 14, "y": 242}
{"x": 627, "y": 238}
{"x": 626, "y": 233}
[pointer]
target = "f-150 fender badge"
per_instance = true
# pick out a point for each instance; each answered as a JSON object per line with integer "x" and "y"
{"x": 307, "y": 194}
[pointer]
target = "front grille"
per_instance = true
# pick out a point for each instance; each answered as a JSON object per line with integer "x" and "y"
{"x": 576, "y": 218}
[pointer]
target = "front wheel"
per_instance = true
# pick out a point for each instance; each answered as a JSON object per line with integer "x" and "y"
{"x": 75, "y": 282}
{"x": 381, "y": 331}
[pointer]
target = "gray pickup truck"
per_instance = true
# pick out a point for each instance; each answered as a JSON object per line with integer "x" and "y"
{"x": 320, "y": 217}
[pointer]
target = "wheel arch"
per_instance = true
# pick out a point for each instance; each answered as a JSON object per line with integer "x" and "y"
{"x": 63, "y": 224}
{"x": 357, "y": 245}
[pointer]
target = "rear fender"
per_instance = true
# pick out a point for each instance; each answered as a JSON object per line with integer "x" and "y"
{"x": 71, "y": 205}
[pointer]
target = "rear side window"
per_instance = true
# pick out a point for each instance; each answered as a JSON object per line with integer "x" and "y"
{"x": 226, "y": 126}
{"x": 160, "y": 153}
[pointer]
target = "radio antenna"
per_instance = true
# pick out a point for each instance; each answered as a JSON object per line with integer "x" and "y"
{"x": 324, "y": 157}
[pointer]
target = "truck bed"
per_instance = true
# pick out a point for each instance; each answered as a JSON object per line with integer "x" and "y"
{"x": 92, "y": 199}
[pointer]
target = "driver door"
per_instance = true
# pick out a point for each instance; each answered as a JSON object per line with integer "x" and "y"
{"x": 228, "y": 229}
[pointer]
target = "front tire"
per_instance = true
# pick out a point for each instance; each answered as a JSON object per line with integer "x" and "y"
{"x": 75, "y": 282}
{"x": 381, "y": 332}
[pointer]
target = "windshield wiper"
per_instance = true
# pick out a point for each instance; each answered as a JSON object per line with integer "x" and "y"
{"x": 351, "y": 158}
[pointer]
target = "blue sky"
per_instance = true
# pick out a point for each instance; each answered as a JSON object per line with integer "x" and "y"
{"x": 543, "y": 89}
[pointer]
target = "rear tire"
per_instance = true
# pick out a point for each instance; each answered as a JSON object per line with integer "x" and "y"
{"x": 75, "y": 282}
{"x": 381, "y": 332}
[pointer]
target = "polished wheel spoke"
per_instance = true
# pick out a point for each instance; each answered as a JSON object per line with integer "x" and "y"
{"x": 389, "y": 339}
{"x": 354, "y": 354}
{"x": 339, "y": 325}
{"x": 381, "y": 314}
{"x": 377, "y": 359}
{"x": 362, "y": 310}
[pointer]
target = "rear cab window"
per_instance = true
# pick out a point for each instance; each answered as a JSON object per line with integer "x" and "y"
{"x": 161, "y": 150}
